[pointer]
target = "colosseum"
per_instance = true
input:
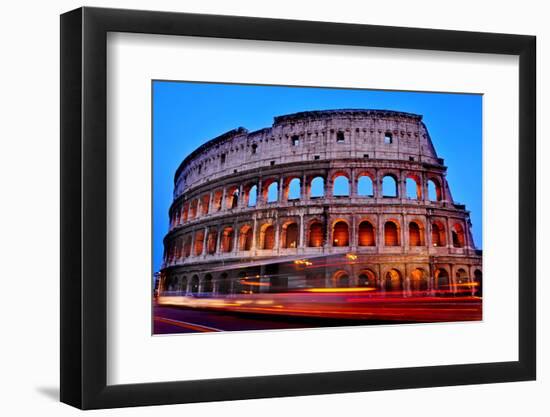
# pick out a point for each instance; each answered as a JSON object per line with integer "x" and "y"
{"x": 321, "y": 199}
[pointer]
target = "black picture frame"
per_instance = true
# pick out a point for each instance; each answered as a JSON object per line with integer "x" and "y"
{"x": 84, "y": 207}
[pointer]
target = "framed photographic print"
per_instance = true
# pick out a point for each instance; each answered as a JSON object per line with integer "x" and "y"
{"x": 257, "y": 208}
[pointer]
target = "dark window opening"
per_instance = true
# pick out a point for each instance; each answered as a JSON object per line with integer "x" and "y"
{"x": 272, "y": 163}
{"x": 366, "y": 155}
{"x": 223, "y": 158}
{"x": 388, "y": 138}
{"x": 254, "y": 147}
{"x": 411, "y": 158}
{"x": 295, "y": 140}
{"x": 340, "y": 137}
{"x": 316, "y": 157}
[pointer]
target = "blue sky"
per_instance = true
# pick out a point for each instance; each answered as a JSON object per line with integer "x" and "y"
{"x": 185, "y": 115}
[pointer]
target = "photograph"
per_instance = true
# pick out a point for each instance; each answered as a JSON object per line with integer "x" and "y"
{"x": 282, "y": 207}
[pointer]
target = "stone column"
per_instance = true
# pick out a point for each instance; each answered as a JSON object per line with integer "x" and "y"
{"x": 255, "y": 226}
{"x": 301, "y": 243}
{"x": 280, "y": 190}
{"x": 218, "y": 239}
{"x": 223, "y": 205}
{"x": 235, "y": 238}
{"x": 303, "y": 188}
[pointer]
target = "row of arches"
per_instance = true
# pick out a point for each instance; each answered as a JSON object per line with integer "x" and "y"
{"x": 291, "y": 188}
{"x": 392, "y": 280}
{"x": 290, "y": 235}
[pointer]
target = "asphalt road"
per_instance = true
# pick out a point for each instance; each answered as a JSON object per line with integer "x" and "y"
{"x": 169, "y": 320}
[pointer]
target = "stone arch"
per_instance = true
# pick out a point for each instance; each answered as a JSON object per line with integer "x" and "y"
{"x": 462, "y": 280}
{"x": 293, "y": 188}
{"x": 390, "y": 186}
{"x": 217, "y": 200}
{"x": 413, "y": 185}
{"x": 478, "y": 281}
{"x": 232, "y": 197}
{"x": 392, "y": 233}
{"x": 442, "y": 280}
{"x": 271, "y": 191}
{"x": 245, "y": 237}
{"x": 193, "y": 209}
{"x": 316, "y": 234}
{"x": 367, "y": 278}
{"x": 194, "y": 285}
{"x": 187, "y": 246}
{"x": 224, "y": 284}
{"x": 457, "y": 233}
{"x": 226, "y": 244}
{"x": 317, "y": 187}
{"x": 434, "y": 189}
{"x": 199, "y": 242}
{"x": 439, "y": 237}
{"x": 340, "y": 233}
{"x": 267, "y": 236}
{"x": 185, "y": 215}
{"x": 340, "y": 185}
{"x": 290, "y": 235}
{"x": 251, "y": 195}
{"x": 205, "y": 204}
{"x": 366, "y": 235}
{"x": 365, "y": 185}
{"x": 212, "y": 240}
{"x": 182, "y": 284}
{"x": 393, "y": 280}
{"x": 207, "y": 284}
{"x": 341, "y": 279}
{"x": 418, "y": 280}
{"x": 416, "y": 233}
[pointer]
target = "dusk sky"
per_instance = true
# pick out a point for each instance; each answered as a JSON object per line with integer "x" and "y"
{"x": 185, "y": 115}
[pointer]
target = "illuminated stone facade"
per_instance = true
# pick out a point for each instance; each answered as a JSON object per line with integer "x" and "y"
{"x": 314, "y": 185}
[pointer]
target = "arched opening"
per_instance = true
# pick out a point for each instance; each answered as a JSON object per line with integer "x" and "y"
{"x": 290, "y": 236}
{"x": 341, "y": 279}
{"x": 419, "y": 280}
{"x": 185, "y": 214}
{"x": 340, "y": 234}
{"x": 316, "y": 235}
{"x": 458, "y": 235}
{"x": 434, "y": 190}
{"x": 205, "y": 204}
{"x": 317, "y": 187}
{"x": 199, "y": 242}
{"x": 273, "y": 192}
{"x": 182, "y": 285}
{"x": 232, "y": 197}
{"x": 462, "y": 281}
{"x": 366, "y": 278}
{"x": 187, "y": 246}
{"x": 245, "y": 238}
{"x": 217, "y": 200}
{"x": 340, "y": 186}
{"x": 389, "y": 186}
{"x": 252, "y": 196}
{"x": 391, "y": 234}
{"x": 364, "y": 186}
{"x": 224, "y": 284}
{"x": 366, "y": 234}
{"x": 393, "y": 281}
{"x": 478, "y": 278}
{"x": 438, "y": 234}
{"x": 413, "y": 187}
{"x": 227, "y": 240}
{"x": 267, "y": 237}
{"x": 194, "y": 285}
{"x": 442, "y": 280}
{"x": 207, "y": 286}
{"x": 193, "y": 209}
{"x": 294, "y": 189}
{"x": 416, "y": 235}
{"x": 211, "y": 241}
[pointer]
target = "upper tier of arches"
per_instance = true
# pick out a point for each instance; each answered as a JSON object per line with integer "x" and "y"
{"x": 309, "y": 137}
